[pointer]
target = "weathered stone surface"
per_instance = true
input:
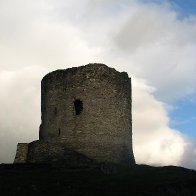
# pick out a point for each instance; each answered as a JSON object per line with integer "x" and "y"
{"x": 56, "y": 153}
{"x": 21, "y": 153}
{"x": 87, "y": 111}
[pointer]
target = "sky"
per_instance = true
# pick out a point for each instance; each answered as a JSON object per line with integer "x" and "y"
{"x": 152, "y": 40}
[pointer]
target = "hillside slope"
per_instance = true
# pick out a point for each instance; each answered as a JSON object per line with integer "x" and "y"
{"x": 105, "y": 179}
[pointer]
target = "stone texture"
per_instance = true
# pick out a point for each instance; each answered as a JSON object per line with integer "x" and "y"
{"x": 87, "y": 111}
{"x": 21, "y": 153}
{"x": 56, "y": 153}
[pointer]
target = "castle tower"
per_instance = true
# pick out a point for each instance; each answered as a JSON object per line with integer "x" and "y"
{"x": 87, "y": 111}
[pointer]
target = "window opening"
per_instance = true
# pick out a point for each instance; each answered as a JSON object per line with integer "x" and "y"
{"x": 59, "y": 131}
{"x": 78, "y": 106}
{"x": 55, "y": 111}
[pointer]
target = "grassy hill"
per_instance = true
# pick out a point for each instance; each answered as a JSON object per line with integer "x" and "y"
{"x": 103, "y": 179}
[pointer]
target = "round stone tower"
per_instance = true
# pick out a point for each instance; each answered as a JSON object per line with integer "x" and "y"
{"x": 86, "y": 109}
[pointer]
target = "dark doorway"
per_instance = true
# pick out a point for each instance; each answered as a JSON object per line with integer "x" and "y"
{"x": 78, "y": 106}
{"x": 55, "y": 111}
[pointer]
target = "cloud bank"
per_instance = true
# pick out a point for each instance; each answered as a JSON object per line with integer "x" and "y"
{"x": 145, "y": 39}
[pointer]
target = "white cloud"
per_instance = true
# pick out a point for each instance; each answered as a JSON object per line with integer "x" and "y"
{"x": 160, "y": 48}
{"x": 154, "y": 142}
{"x": 146, "y": 40}
{"x": 20, "y": 109}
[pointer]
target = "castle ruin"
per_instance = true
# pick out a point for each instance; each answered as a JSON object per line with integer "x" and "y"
{"x": 86, "y": 117}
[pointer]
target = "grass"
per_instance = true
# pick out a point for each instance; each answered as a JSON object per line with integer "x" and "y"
{"x": 140, "y": 180}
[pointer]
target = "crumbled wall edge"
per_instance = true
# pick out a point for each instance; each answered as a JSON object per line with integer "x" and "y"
{"x": 21, "y": 153}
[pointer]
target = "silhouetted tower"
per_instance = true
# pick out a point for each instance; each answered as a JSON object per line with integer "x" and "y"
{"x": 85, "y": 110}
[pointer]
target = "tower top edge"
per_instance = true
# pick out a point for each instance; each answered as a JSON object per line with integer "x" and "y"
{"x": 91, "y": 67}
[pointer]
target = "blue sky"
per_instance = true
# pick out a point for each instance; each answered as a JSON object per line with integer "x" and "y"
{"x": 184, "y": 8}
{"x": 183, "y": 114}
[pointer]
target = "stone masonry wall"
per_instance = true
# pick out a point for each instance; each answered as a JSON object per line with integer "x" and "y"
{"x": 21, "y": 153}
{"x": 88, "y": 109}
{"x": 56, "y": 153}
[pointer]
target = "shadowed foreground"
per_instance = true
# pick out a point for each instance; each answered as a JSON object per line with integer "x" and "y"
{"x": 104, "y": 179}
